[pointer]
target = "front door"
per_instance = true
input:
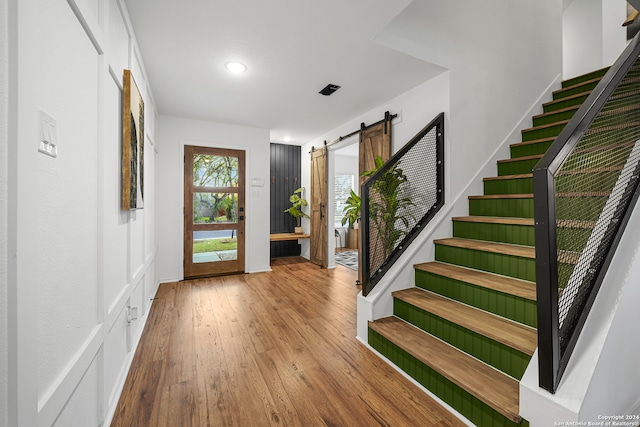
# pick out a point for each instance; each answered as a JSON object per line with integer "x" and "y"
{"x": 214, "y": 211}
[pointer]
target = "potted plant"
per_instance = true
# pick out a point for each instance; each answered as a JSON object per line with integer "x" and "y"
{"x": 297, "y": 202}
{"x": 351, "y": 216}
{"x": 391, "y": 206}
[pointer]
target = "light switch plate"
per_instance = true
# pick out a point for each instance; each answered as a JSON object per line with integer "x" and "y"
{"x": 48, "y": 143}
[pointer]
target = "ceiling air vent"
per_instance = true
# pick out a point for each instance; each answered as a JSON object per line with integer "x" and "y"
{"x": 329, "y": 89}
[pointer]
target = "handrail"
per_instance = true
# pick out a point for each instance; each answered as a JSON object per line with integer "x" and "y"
{"x": 597, "y": 198}
{"x": 399, "y": 199}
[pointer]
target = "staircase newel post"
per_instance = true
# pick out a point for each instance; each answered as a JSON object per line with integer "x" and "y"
{"x": 546, "y": 278}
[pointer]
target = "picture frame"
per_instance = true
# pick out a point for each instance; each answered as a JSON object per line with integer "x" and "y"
{"x": 132, "y": 144}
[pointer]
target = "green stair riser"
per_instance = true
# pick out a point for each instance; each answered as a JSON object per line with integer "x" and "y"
{"x": 517, "y": 167}
{"x": 518, "y": 208}
{"x": 509, "y": 186}
{"x": 507, "y": 265}
{"x": 579, "y": 208}
{"x": 552, "y": 118}
{"x": 575, "y": 90}
{"x": 509, "y": 306}
{"x": 469, "y": 406}
{"x": 584, "y": 78}
{"x": 573, "y": 239}
{"x": 564, "y": 103}
{"x": 539, "y": 133}
{"x": 564, "y": 274}
{"x": 503, "y": 233}
{"x": 572, "y": 208}
{"x": 530, "y": 149}
{"x": 593, "y": 159}
{"x": 569, "y": 238}
{"x": 592, "y": 181}
{"x": 506, "y": 359}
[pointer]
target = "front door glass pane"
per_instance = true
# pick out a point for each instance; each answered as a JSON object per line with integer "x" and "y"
{"x": 215, "y": 245}
{"x": 215, "y": 208}
{"x": 215, "y": 171}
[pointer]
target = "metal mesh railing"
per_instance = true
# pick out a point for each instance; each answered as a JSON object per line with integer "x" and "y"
{"x": 399, "y": 199}
{"x": 583, "y": 189}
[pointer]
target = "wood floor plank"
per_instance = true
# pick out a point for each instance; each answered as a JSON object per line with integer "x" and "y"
{"x": 512, "y": 334}
{"x": 265, "y": 349}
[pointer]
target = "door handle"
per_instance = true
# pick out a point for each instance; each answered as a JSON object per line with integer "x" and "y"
{"x": 321, "y": 210}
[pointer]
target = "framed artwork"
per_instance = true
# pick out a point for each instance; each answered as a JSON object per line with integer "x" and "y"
{"x": 132, "y": 145}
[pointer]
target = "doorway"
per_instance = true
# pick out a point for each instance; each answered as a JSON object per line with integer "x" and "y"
{"x": 214, "y": 211}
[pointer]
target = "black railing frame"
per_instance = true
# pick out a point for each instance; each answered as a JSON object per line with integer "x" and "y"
{"x": 551, "y": 364}
{"x": 368, "y": 281}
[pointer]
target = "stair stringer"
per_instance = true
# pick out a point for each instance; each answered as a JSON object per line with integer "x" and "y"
{"x": 379, "y": 302}
{"x": 602, "y": 376}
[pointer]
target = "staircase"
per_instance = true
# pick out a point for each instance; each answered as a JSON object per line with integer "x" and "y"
{"x": 467, "y": 330}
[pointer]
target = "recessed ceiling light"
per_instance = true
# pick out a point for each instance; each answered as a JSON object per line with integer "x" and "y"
{"x": 287, "y": 139}
{"x": 236, "y": 67}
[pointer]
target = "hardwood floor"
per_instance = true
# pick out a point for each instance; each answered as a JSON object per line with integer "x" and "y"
{"x": 265, "y": 349}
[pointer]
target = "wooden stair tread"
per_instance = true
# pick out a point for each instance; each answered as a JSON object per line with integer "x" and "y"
{"x": 604, "y": 147}
{"x": 546, "y": 126}
{"x": 505, "y": 284}
{"x": 497, "y": 390}
{"x": 586, "y": 82}
{"x": 512, "y": 334}
{"x": 518, "y": 159}
{"x": 584, "y": 194}
{"x": 505, "y": 177}
{"x": 495, "y": 220}
{"x": 599, "y": 129}
{"x": 591, "y": 170}
{"x": 576, "y": 223}
{"x": 486, "y": 246}
{"x": 567, "y": 98}
{"x": 562, "y": 110}
{"x": 502, "y": 196}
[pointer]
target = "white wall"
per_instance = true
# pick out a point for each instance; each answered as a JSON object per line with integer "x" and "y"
{"x": 175, "y": 133}
{"x": 501, "y": 56}
{"x": 4, "y": 136}
{"x": 347, "y": 165}
{"x": 602, "y": 377}
{"x": 592, "y": 34}
{"x": 80, "y": 259}
{"x": 415, "y": 109}
{"x": 500, "y": 70}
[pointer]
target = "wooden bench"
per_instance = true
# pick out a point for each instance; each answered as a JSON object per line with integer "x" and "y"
{"x": 280, "y": 237}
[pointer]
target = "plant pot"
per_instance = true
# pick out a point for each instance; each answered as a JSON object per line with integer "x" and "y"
{"x": 353, "y": 236}
{"x": 297, "y": 230}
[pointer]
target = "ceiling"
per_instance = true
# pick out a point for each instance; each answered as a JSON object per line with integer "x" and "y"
{"x": 292, "y": 48}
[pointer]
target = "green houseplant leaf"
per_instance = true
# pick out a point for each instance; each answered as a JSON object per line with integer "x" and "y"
{"x": 352, "y": 210}
{"x": 297, "y": 202}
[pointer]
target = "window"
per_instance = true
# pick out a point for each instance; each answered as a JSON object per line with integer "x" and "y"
{"x": 343, "y": 186}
